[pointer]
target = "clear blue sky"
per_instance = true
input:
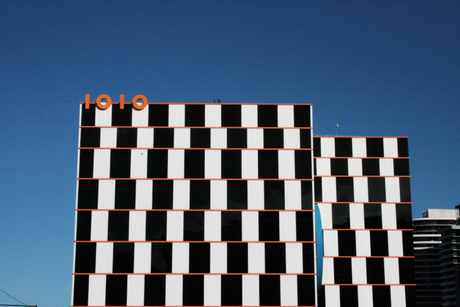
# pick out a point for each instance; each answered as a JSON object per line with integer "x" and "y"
{"x": 376, "y": 68}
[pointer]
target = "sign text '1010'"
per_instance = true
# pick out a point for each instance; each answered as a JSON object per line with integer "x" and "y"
{"x": 108, "y": 102}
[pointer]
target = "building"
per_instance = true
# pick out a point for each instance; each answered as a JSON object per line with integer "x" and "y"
{"x": 213, "y": 205}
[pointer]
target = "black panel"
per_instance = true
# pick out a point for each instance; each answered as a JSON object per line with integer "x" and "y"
{"x": 306, "y": 290}
{"x": 120, "y": 163}
{"x": 404, "y": 216}
{"x": 157, "y": 163}
{"x": 375, "y": 271}
{"x": 90, "y": 137}
{"x": 194, "y": 163}
{"x": 318, "y": 189}
{"x": 304, "y": 225}
{"x": 273, "y": 138}
{"x": 121, "y": 117}
{"x": 155, "y": 289}
{"x": 231, "y": 115}
{"x": 347, "y": 242}
{"x": 275, "y": 258}
{"x": 193, "y": 291}
{"x": 237, "y": 194}
{"x": 403, "y": 147}
{"x": 267, "y": 115}
{"x": 85, "y": 257}
{"x": 374, "y": 147}
{"x": 194, "y": 115}
{"x": 341, "y": 216}
{"x": 237, "y": 258}
{"x": 268, "y": 163}
{"x": 401, "y": 167}
{"x": 410, "y": 296}
{"x": 305, "y": 138}
{"x": 408, "y": 244}
{"x": 376, "y": 186}
{"x": 308, "y": 257}
{"x": 269, "y": 226}
{"x": 155, "y": 229}
{"x": 193, "y": 226}
{"x": 125, "y": 194}
{"x": 116, "y": 290}
{"x": 342, "y": 271}
{"x": 302, "y": 116}
{"x": 373, "y": 216}
{"x": 237, "y": 138}
{"x": 274, "y": 194}
{"x": 231, "y": 290}
{"x": 343, "y": 147}
{"x": 88, "y": 116}
{"x": 307, "y": 197}
{"x": 231, "y": 163}
{"x": 406, "y": 271}
{"x": 199, "y": 258}
{"x": 200, "y": 138}
{"x": 163, "y": 137}
{"x": 231, "y": 226}
{"x": 269, "y": 290}
{"x": 379, "y": 243}
{"x": 371, "y": 167}
{"x": 339, "y": 167}
{"x": 200, "y": 191}
{"x": 381, "y": 296}
{"x": 303, "y": 163}
{"x": 349, "y": 296}
{"x": 404, "y": 189}
{"x": 127, "y": 137}
{"x": 162, "y": 194}
{"x": 80, "y": 292}
{"x": 317, "y": 147}
{"x": 158, "y": 114}
{"x": 345, "y": 192}
{"x": 83, "y": 226}
{"x": 86, "y": 163}
{"x": 87, "y": 194}
{"x": 118, "y": 225}
{"x": 123, "y": 257}
{"x": 161, "y": 261}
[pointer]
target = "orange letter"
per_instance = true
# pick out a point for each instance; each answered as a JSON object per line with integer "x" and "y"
{"x": 143, "y": 105}
{"x": 87, "y": 101}
{"x": 102, "y": 106}
{"x": 122, "y": 102}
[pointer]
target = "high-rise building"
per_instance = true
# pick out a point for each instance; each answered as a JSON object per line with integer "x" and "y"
{"x": 213, "y": 205}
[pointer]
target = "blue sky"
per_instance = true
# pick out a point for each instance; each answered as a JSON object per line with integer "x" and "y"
{"x": 376, "y": 68}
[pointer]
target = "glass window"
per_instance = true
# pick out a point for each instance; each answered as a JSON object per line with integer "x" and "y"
{"x": 275, "y": 258}
{"x": 341, "y": 216}
{"x": 317, "y": 146}
{"x": 343, "y": 147}
{"x": 376, "y": 187}
{"x": 381, "y": 296}
{"x": 194, "y": 163}
{"x": 269, "y": 287}
{"x": 161, "y": 261}
{"x": 125, "y": 194}
{"x": 305, "y": 138}
{"x": 237, "y": 194}
{"x": 371, "y": 167}
{"x": 155, "y": 229}
{"x": 193, "y": 292}
{"x": 375, "y": 271}
{"x": 86, "y": 163}
{"x": 80, "y": 292}
{"x": 158, "y": 114}
{"x": 379, "y": 243}
{"x": 121, "y": 117}
{"x": 303, "y": 169}
{"x": 116, "y": 290}
{"x": 231, "y": 290}
{"x": 155, "y": 289}
{"x": 90, "y": 137}
{"x": 120, "y": 163}
{"x": 302, "y": 116}
{"x": 269, "y": 226}
{"x": 88, "y": 116}
{"x": 404, "y": 188}
{"x": 307, "y": 198}
{"x": 200, "y": 192}
{"x": 87, "y": 194}
{"x": 127, "y": 137}
{"x": 231, "y": 115}
{"x": 157, "y": 163}
{"x": 123, "y": 257}
{"x": 345, "y": 190}
{"x": 194, "y": 115}
{"x": 308, "y": 257}
{"x": 85, "y": 257}
{"x": 199, "y": 258}
{"x": 163, "y": 137}
{"x": 401, "y": 167}
{"x": 406, "y": 271}
{"x": 273, "y": 138}
{"x": 373, "y": 216}
{"x": 339, "y": 167}
{"x": 347, "y": 242}
{"x": 83, "y": 225}
{"x": 118, "y": 225}
{"x": 274, "y": 194}
{"x": 403, "y": 147}
{"x": 267, "y": 115}
{"x": 304, "y": 225}
{"x": 349, "y": 296}
{"x": 306, "y": 290}
{"x": 237, "y": 138}
{"x": 231, "y": 225}
{"x": 193, "y": 225}
{"x": 237, "y": 258}
{"x": 268, "y": 163}
{"x": 162, "y": 194}
{"x": 342, "y": 271}
{"x": 374, "y": 147}
{"x": 200, "y": 138}
{"x": 231, "y": 163}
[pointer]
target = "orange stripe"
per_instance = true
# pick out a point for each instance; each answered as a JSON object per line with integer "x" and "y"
{"x": 211, "y": 103}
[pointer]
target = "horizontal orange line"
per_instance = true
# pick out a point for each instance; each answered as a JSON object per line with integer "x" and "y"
{"x": 368, "y": 284}
{"x": 310, "y": 274}
{"x": 246, "y": 179}
{"x": 212, "y": 210}
{"x": 406, "y": 158}
{"x": 183, "y": 305}
{"x": 360, "y": 137}
{"x": 366, "y": 202}
{"x": 353, "y": 229}
{"x": 368, "y": 256}
{"x": 204, "y": 127}
{"x": 217, "y": 103}
{"x": 194, "y": 148}
{"x": 354, "y": 176}
{"x": 309, "y": 242}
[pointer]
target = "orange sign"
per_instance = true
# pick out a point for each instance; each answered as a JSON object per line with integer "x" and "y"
{"x": 108, "y": 103}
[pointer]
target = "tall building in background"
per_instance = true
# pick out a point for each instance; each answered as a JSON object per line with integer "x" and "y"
{"x": 213, "y": 205}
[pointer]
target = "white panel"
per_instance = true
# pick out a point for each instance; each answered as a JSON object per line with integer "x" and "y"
{"x": 365, "y": 296}
{"x": 218, "y": 194}
{"x": 386, "y": 167}
{"x": 256, "y": 258}
{"x": 212, "y": 164}
{"x": 398, "y": 296}
{"x": 390, "y": 147}
{"x": 145, "y": 138}
{"x": 359, "y": 147}
{"x": 103, "y": 117}
{"x": 212, "y": 288}
{"x": 323, "y": 166}
{"x": 104, "y": 257}
{"x": 359, "y": 270}
{"x": 328, "y": 271}
{"x": 212, "y": 115}
{"x": 180, "y": 257}
{"x": 182, "y": 138}
{"x": 392, "y": 189}
{"x": 218, "y": 263}
{"x": 249, "y": 115}
{"x": 285, "y": 116}
{"x": 140, "y": 118}
{"x": 139, "y": 163}
{"x": 108, "y": 137}
{"x": 135, "y": 295}
{"x": 99, "y": 225}
{"x": 255, "y": 194}
{"x": 101, "y": 163}
{"x": 255, "y": 138}
{"x": 391, "y": 267}
{"x": 175, "y": 226}
{"x": 137, "y": 225}
{"x": 287, "y": 224}
{"x": 176, "y": 115}
{"x": 355, "y": 167}
{"x": 332, "y": 295}
{"x": 106, "y": 194}
{"x": 329, "y": 189}
{"x": 293, "y": 195}
{"x": 389, "y": 216}
{"x": 249, "y": 164}
{"x": 364, "y": 246}
{"x": 142, "y": 257}
{"x": 291, "y": 138}
{"x": 326, "y": 215}
{"x": 96, "y": 289}
{"x": 288, "y": 289}
{"x": 327, "y": 147}
{"x": 143, "y": 194}
{"x": 181, "y": 194}
{"x": 294, "y": 258}
{"x": 218, "y": 138}
{"x": 250, "y": 290}
{"x": 395, "y": 243}
{"x": 173, "y": 290}
{"x": 212, "y": 225}
{"x": 250, "y": 225}
{"x": 357, "y": 216}
{"x": 331, "y": 243}
{"x": 286, "y": 164}
{"x": 360, "y": 189}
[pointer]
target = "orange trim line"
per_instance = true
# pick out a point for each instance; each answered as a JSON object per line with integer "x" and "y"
{"x": 199, "y": 127}
{"x": 183, "y": 306}
{"x": 376, "y": 176}
{"x": 214, "y": 103}
{"x": 386, "y": 229}
{"x": 311, "y": 274}
{"x": 247, "y": 179}
{"x": 368, "y": 284}
{"x": 362, "y": 202}
{"x": 360, "y": 137}
{"x": 407, "y": 158}
{"x": 368, "y": 256}
{"x": 309, "y": 242}
{"x": 219, "y": 210}
{"x": 195, "y": 148}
